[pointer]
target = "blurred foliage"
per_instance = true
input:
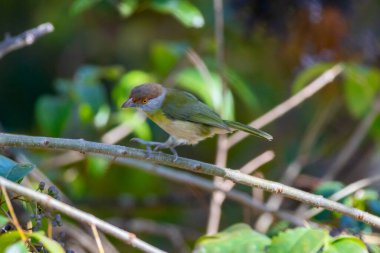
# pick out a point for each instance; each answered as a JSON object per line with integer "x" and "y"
{"x": 71, "y": 83}
{"x": 365, "y": 199}
{"x": 241, "y": 238}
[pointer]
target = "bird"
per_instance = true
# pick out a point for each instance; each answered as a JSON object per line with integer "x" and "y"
{"x": 182, "y": 115}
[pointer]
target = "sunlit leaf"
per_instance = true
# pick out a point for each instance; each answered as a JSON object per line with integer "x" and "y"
{"x": 344, "y": 244}
{"x": 49, "y": 244}
{"x": 183, "y": 10}
{"x": 7, "y": 239}
{"x": 102, "y": 117}
{"x": 211, "y": 92}
{"x": 52, "y": 114}
{"x": 228, "y": 106}
{"x": 237, "y": 238}
{"x": 12, "y": 170}
{"x": 299, "y": 240}
{"x": 18, "y": 247}
{"x": 127, "y": 7}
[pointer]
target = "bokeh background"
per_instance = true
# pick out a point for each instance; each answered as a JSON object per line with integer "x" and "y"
{"x": 72, "y": 82}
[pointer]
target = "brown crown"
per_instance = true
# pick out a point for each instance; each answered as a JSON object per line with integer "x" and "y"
{"x": 146, "y": 91}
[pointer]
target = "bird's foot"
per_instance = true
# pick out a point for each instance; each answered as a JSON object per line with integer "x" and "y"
{"x": 157, "y": 146}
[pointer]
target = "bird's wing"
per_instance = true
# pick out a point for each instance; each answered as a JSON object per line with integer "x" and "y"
{"x": 181, "y": 105}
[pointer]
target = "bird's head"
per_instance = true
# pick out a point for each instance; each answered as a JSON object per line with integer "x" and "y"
{"x": 147, "y": 97}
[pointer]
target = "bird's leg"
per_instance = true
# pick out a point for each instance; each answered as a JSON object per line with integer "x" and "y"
{"x": 171, "y": 143}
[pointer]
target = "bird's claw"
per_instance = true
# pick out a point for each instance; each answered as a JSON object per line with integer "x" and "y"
{"x": 157, "y": 146}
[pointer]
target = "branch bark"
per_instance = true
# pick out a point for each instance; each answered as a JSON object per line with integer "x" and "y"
{"x": 77, "y": 214}
{"x": 24, "y": 39}
{"x": 186, "y": 164}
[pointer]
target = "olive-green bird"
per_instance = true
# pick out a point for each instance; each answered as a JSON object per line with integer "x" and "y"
{"x": 186, "y": 119}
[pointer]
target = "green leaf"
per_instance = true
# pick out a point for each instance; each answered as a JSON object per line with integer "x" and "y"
{"x": 327, "y": 189}
{"x": 211, "y": 93}
{"x": 309, "y": 74}
{"x": 79, "y": 6}
{"x": 228, "y": 106}
{"x": 127, "y": 7}
{"x": 241, "y": 88}
{"x": 12, "y": 170}
{"x": 183, "y": 10}
{"x": 299, "y": 240}
{"x": 360, "y": 87}
{"x": 52, "y": 114}
{"x": 344, "y": 244}
{"x": 165, "y": 55}
{"x": 235, "y": 239}
{"x": 97, "y": 166}
{"x": 7, "y": 239}
{"x": 49, "y": 244}
{"x": 3, "y": 220}
{"x": 18, "y": 247}
{"x": 374, "y": 207}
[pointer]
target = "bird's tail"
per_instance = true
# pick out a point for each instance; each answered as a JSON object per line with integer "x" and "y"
{"x": 248, "y": 129}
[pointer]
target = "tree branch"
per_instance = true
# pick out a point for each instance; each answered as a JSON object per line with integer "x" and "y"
{"x": 77, "y": 214}
{"x": 24, "y": 39}
{"x": 186, "y": 164}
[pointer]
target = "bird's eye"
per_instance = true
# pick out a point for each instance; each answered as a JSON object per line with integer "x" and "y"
{"x": 145, "y": 101}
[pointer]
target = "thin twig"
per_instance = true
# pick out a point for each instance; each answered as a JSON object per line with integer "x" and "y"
{"x": 293, "y": 170}
{"x": 24, "y": 39}
{"x": 13, "y": 214}
{"x": 320, "y": 82}
{"x": 218, "y": 197}
{"x": 77, "y": 214}
{"x": 186, "y": 164}
{"x": 97, "y": 238}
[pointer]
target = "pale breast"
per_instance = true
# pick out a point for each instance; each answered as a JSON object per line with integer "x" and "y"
{"x": 185, "y": 131}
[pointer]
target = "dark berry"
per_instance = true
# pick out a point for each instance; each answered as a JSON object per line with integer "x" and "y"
{"x": 41, "y": 186}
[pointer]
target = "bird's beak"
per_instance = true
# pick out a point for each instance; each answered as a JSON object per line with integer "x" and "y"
{"x": 128, "y": 103}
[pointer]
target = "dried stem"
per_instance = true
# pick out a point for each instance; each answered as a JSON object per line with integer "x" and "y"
{"x": 320, "y": 82}
{"x": 13, "y": 215}
{"x": 24, "y": 39}
{"x": 97, "y": 238}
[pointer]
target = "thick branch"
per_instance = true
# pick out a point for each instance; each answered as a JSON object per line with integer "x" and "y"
{"x": 77, "y": 214}
{"x": 24, "y": 39}
{"x": 186, "y": 164}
